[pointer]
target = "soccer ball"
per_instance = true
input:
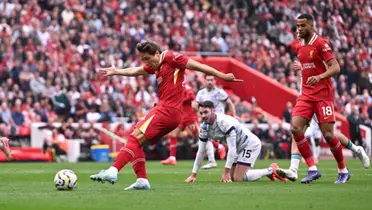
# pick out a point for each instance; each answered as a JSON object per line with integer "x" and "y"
{"x": 65, "y": 180}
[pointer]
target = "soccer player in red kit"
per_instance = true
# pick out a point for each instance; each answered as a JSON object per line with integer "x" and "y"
{"x": 189, "y": 122}
{"x": 169, "y": 68}
{"x": 318, "y": 66}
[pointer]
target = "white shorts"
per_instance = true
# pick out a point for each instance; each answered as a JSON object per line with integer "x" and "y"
{"x": 313, "y": 132}
{"x": 250, "y": 153}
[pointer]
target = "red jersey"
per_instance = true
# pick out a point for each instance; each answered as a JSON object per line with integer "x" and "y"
{"x": 189, "y": 96}
{"x": 295, "y": 45}
{"x": 170, "y": 76}
{"x": 313, "y": 57}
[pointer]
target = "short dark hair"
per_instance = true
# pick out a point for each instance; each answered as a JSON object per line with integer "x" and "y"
{"x": 206, "y": 104}
{"x": 208, "y": 75}
{"x": 148, "y": 46}
{"x": 307, "y": 17}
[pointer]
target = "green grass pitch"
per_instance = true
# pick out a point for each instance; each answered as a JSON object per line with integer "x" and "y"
{"x": 28, "y": 186}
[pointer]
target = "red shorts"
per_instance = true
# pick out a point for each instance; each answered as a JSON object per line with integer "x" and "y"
{"x": 324, "y": 110}
{"x": 159, "y": 122}
{"x": 190, "y": 124}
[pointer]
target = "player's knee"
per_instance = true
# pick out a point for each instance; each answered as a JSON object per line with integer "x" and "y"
{"x": 238, "y": 177}
{"x": 295, "y": 130}
{"x": 141, "y": 138}
{"x": 328, "y": 136}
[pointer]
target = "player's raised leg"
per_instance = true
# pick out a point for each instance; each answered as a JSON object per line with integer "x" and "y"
{"x": 4, "y": 146}
{"x": 157, "y": 123}
{"x": 129, "y": 152}
{"x": 357, "y": 150}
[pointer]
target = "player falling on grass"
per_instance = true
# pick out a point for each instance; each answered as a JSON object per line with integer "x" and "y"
{"x": 244, "y": 147}
{"x": 220, "y": 99}
{"x": 189, "y": 123}
{"x": 4, "y": 146}
{"x": 318, "y": 66}
{"x": 169, "y": 68}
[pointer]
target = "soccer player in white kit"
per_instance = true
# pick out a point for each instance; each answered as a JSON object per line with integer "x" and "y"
{"x": 219, "y": 98}
{"x": 244, "y": 147}
{"x": 314, "y": 135}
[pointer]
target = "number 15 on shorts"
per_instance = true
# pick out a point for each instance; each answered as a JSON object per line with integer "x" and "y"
{"x": 246, "y": 153}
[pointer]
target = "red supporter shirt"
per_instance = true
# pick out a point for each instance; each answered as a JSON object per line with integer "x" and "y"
{"x": 189, "y": 96}
{"x": 313, "y": 57}
{"x": 170, "y": 76}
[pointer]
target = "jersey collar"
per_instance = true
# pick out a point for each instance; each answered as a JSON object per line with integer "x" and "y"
{"x": 312, "y": 40}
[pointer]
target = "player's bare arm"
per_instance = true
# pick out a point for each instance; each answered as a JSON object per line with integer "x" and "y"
{"x": 297, "y": 65}
{"x": 194, "y": 65}
{"x": 129, "y": 72}
{"x": 231, "y": 107}
{"x": 332, "y": 70}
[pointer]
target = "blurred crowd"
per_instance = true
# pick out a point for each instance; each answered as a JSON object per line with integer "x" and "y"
{"x": 50, "y": 51}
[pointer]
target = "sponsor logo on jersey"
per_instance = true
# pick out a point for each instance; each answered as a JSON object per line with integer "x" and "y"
{"x": 308, "y": 66}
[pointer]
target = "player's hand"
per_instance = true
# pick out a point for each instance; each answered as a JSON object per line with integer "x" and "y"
{"x": 191, "y": 178}
{"x": 230, "y": 77}
{"x": 297, "y": 66}
{"x": 226, "y": 176}
{"x": 4, "y": 139}
{"x": 313, "y": 80}
{"x": 107, "y": 71}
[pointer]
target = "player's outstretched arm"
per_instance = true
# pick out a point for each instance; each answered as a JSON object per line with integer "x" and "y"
{"x": 129, "y": 72}
{"x": 198, "y": 161}
{"x": 194, "y": 65}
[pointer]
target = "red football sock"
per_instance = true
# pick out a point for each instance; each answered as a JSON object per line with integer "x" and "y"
{"x": 127, "y": 153}
{"x": 139, "y": 164}
{"x": 173, "y": 146}
{"x": 336, "y": 150}
{"x": 215, "y": 143}
{"x": 304, "y": 148}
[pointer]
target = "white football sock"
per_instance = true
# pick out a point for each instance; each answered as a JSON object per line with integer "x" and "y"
{"x": 295, "y": 162}
{"x": 313, "y": 168}
{"x": 143, "y": 181}
{"x": 210, "y": 152}
{"x": 172, "y": 157}
{"x": 113, "y": 170}
{"x": 256, "y": 174}
{"x": 351, "y": 146}
{"x": 343, "y": 170}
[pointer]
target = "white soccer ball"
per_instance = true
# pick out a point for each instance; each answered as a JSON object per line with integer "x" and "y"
{"x": 65, "y": 180}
